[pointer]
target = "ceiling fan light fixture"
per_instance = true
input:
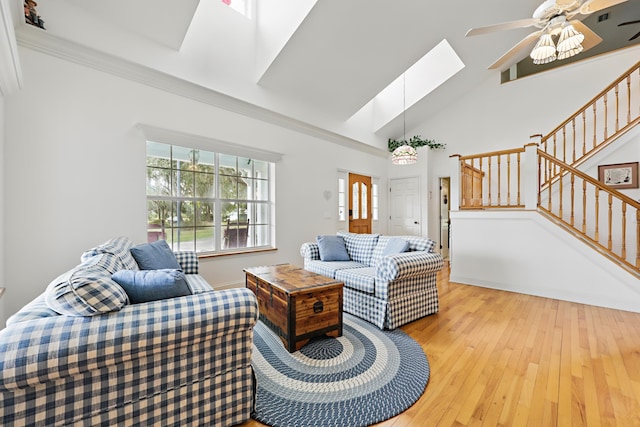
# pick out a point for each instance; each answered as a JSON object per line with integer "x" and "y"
{"x": 569, "y": 39}
{"x": 544, "y": 51}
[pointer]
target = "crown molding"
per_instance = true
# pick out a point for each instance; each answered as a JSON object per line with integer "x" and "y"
{"x": 10, "y": 71}
{"x": 43, "y": 42}
{"x": 167, "y": 136}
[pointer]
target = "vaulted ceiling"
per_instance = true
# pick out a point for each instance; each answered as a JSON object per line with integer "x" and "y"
{"x": 316, "y": 61}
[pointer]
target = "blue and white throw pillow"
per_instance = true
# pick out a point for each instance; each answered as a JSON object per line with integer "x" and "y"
{"x": 332, "y": 248}
{"x": 151, "y": 285}
{"x": 395, "y": 246}
{"x": 155, "y": 256}
{"x": 88, "y": 290}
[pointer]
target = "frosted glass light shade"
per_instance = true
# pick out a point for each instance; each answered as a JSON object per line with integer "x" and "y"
{"x": 569, "y": 53}
{"x": 404, "y": 155}
{"x": 544, "y": 51}
{"x": 569, "y": 39}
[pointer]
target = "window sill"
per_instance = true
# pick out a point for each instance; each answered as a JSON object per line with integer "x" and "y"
{"x": 236, "y": 252}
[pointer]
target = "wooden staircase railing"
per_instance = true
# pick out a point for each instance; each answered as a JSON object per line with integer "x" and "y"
{"x": 603, "y": 216}
{"x": 606, "y": 219}
{"x": 607, "y": 116}
{"x": 491, "y": 180}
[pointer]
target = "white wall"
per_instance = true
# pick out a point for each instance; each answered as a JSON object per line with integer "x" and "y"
{"x": 541, "y": 260}
{"x": 2, "y": 241}
{"x": 75, "y": 168}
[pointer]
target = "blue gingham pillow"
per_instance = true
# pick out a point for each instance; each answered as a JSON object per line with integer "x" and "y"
{"x": 88, "y": 289}
{"x": 418, "y": 243}
{"x": 118, "y": 246}
{"x": 188, "y": 261}
{"x": 360, "y": 246}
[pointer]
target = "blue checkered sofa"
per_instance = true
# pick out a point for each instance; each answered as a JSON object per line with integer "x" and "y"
{"x": 183, "y": 361}
{"x": 386, "y": 290}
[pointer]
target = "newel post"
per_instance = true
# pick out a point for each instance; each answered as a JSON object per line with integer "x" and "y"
{"x": 530, "y": 173}
{"x": 454, "y": 197}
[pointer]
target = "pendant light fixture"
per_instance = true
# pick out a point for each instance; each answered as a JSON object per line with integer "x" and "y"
{"x": 405, "y": 154}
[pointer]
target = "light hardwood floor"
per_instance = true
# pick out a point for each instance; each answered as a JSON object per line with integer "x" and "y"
{"x": 505, "y": 359}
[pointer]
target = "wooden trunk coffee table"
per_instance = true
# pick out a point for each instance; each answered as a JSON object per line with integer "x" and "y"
{"x": 296, "y": 304}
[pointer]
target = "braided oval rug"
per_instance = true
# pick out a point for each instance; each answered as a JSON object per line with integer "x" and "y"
{"x": 364, "y": 377}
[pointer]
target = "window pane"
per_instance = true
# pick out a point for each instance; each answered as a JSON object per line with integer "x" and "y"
{"x": 204, "y": 214}
{"x": 261, "y": 189}
{"x": 374, "y": 202}
{"x": 205, "y": 162}
{"x": 205, "y": 239}
{"x": 182, "y": 239}
{"x": 185, "y": 217}
{"x": 235, "y": 236}
{"x": 205, "y": 185}
{"x": 228, "y": 164}
{"x": 158, "y": 212}
{"x": 245, "y": 166}
{"x": 356, "y": 206}
{"x": 260, "y": 235}
{"x": 259, "y": 213}
{"x": 185, "y": 179}
{"x": 158, "y": 154}
{"x": 231, "y": 212}
{"x": 228, "y": 187}
{"x": 365, "y": 201}
{"x": 158, "y": 182}
{"x": 243, "y": 188}
{"x": 260, "y": 169}
{"x": 182, "y": 155}
{"x": 341, "y": 199}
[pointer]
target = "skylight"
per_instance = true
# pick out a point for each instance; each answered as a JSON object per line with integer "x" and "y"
{"x": 429, "y": 72}
{"x": 241, "y": 6}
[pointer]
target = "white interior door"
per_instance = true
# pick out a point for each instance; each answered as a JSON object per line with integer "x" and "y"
{"x": 404, "y": 200}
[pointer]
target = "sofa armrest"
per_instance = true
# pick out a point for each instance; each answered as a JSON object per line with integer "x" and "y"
{"x": 47, "y": 349}
{"x": 407, "y": 264}
{"x": 188, "y": 260}
{"x": 310, "y": 251}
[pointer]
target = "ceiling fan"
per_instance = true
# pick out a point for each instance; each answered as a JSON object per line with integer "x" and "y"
{"x": 552, "y": 18}
{"x": 629, "y": 23}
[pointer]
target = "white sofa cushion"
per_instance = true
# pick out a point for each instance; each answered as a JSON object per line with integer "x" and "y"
{"x": 329, "y": 268}
{"x": 362, "y": 279}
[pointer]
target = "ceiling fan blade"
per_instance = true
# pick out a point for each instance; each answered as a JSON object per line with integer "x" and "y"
{"x": 591, "y": 6}
{"x": 516, "y": 53}
{"x": 590, "y": 38}
{"x": 521, "y": 23}
{"x": 635, "y": 37}
{"x": 629, "y": 23}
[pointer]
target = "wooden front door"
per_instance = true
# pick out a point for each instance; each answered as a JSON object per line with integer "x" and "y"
{"x": 359, "y": 203}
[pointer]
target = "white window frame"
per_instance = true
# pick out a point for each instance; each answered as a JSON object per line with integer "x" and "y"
{"x": 217, "y": 147}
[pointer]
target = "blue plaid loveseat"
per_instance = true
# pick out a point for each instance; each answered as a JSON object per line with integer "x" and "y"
{"x": 386, "y": 290}
{"x": 182, "y": 361}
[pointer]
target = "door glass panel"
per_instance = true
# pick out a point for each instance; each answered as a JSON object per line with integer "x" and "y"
{"x": 365, "y": 207}
{"x": 341, "y": 199}
{"x": 355, "y": 202}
